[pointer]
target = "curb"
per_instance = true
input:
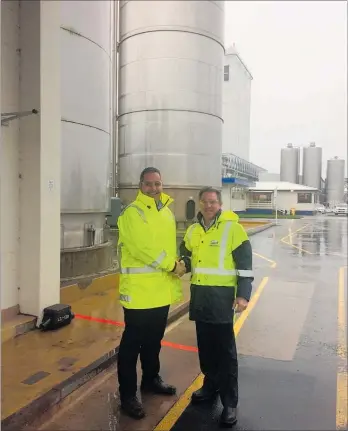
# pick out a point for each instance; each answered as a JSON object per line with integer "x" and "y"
{"x": 32, "y": 411}
{"x": 258, "y": 229}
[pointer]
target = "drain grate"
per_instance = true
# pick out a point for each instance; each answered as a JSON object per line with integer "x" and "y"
{"x": 35, "y": 378}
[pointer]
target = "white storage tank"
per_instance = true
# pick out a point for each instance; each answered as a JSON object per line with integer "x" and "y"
{"x": 335, "y": 181}
{"x": 86, "y": 51}
{"x": 312, "y": 166}
{"x": 170, "y": 100}
{"x": 290, "y": 164}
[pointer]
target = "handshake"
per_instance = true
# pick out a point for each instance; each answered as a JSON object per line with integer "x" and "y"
{"x": 182, "y": 266}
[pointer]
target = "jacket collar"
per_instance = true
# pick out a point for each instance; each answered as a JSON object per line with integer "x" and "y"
{"x": 149, "y": 202}
{"x": 219, "y": 217}
{"x": 201, "y": 220}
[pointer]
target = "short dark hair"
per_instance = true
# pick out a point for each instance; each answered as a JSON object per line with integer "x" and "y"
{"x": 149, "y": 170}
{"x": 210, "y": 190}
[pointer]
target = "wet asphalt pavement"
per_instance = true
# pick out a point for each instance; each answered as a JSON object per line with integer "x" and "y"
{"x": 287, "y": 344}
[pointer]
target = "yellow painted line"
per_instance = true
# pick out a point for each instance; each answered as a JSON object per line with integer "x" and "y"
{"x": 240, "y": 322}
{"x": 295, "y": 231}
{"x": 342, "y": 400}
{"x": 179, "y": 407}
{"x": 342, "y": 376}
{"x": 273, "y": 263}
{"x": 287, "y": 239}
{"x": 342, "y": 339}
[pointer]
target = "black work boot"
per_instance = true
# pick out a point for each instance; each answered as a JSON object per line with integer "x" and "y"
{"x": 157, "y": 386}
{"x": 132, "y": 407}
{"x": 206, "y": 393}
{"x": 228, "y": 417}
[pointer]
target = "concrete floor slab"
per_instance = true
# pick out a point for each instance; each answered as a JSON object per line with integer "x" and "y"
{"x": 299, "y": 393}
{"x": 87, "y": 343}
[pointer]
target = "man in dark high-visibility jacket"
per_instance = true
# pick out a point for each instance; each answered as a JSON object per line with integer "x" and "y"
{"x": 218, "y": 253}
{"x": 149, "y": 284}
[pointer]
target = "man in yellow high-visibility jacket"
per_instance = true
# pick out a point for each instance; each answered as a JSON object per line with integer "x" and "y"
{"x": 149, "y": 284}
{"x": 218, "y": 253}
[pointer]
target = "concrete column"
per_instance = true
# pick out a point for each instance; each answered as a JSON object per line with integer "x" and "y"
{"x": 9, "y": 142}
{"x": 40, "y": 156}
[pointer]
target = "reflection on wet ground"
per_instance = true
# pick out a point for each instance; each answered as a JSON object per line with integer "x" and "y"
{"x": 293, "y": 364}
{"x": 323, "y": 236}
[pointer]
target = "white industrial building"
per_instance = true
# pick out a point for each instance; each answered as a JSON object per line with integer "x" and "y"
{"x": 238, "y": 174}
{"x": 236, "y": 98}
{"x": 266, "y": 197}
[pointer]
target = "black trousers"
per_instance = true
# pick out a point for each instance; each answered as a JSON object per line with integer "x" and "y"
{"x": 144, "y": 330}
{"x": 218, "y": 359}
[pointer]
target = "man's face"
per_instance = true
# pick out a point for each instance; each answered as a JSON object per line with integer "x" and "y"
{"x": 152, "y": 185}
{"x": 209, "y": 205}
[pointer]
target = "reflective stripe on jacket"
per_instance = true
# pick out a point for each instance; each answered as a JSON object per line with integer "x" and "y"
{"x": 218, "y": 264}
{"x": 147, "y": 254}
{"x": 212, "y": 262}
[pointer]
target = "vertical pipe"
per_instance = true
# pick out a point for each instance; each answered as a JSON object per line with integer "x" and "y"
{"x": 111, "y": 99}
{"x": 115, "y": 76}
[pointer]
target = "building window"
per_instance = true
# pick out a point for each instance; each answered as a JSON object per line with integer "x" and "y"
{"x": 263, "y": 197}
{"x": 226, "y": 73}
{"x": 304, "y": 198}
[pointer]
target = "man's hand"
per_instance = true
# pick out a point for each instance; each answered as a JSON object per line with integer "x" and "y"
{"x": 180, "y": 269}
{"x": 240, "y": 304}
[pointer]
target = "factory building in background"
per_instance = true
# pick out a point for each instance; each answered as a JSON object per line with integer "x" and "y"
{"x": 236, "y": 98}
{"x": 238, "y": 173}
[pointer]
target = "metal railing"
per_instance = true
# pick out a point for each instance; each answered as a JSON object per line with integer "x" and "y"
{"x": 265, "y": 205}
{"x": 234, "y": 166}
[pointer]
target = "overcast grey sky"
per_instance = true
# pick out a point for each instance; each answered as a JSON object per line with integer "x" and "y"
{"x": 297, "y": 54}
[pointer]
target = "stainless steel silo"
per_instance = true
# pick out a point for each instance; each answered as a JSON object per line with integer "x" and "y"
{"x": 290, "y": 164}
{"x": 170, "y": 100}
{"x": 335, "y": 181}
{"x": 86, "y": 62}
{"x": 312, "y": 166}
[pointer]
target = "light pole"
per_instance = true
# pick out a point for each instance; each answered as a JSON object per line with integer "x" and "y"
{"x": 276, "y": 204}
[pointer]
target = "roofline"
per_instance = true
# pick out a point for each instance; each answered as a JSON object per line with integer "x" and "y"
{"x": 255, "y": 189}
{"x": 238, "y": 56}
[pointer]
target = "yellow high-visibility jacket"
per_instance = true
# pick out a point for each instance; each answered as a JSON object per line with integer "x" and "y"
{"x": 220, "y": 262}
{"x": 212, "y": 261}
{"x": 147, "y": 254}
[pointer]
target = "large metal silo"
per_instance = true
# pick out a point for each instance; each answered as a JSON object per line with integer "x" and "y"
{"x": 170, "y": 100}
{"x": 335, "y": 181}
{"x": 312, "y": 166}
{"x": 86, "y": 61}
{"x": 290, "y": 164}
